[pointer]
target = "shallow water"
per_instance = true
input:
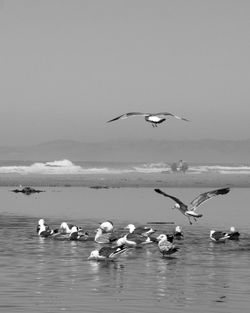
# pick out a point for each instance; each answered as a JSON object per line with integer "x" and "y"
{"x": 45, "y": 275}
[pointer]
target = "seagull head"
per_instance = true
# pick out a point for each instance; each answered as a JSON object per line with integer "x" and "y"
{"x": 212, "y": 232}
{"x": 161, "y": 237}
{"x": 130, "y": 227}
{"x": 178, "y": 229}
{"x": 176, "y": 206}
{"x": 64, "y": 228}
{"x": 41, "y": 222}
{"x": 107, "y": 226}
{"x": 93, "y": 255}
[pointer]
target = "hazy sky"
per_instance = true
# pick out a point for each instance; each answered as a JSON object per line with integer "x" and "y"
{"x": 68, "y": 66}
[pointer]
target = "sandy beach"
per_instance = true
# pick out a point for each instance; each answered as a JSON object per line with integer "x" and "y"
{"x": 136, "y": 180}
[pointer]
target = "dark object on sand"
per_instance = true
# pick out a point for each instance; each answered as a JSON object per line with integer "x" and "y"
{"x": 27, "y": 190}
{"x": 99, "y": 187}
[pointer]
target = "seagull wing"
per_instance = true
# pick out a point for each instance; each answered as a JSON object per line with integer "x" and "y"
{"x": 138, "y": 239}
{"x": 162, "y": 114}
{"x": 117, "y": 251}
{"x": 183, "y": 206}
{"x": 207, "y": 195}
{"x": 106, "y": 251}
{"x": 126, "y": 115}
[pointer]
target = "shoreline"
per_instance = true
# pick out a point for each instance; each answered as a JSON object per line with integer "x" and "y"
{"x": 133, "y": 180}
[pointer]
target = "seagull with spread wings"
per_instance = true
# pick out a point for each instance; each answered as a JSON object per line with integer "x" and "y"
{"x": 191, "y": 211}
{"x": 153, "y": 118}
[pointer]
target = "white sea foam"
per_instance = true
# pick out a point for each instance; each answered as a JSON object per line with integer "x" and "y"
{"x": 68, "y": 167}
{"x": 152, "y": 168}
{"x": 220, "y": 169}
{"x": 55, "y": 167}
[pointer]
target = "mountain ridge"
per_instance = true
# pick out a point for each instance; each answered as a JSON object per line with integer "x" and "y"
{"x": 202, "y": 150}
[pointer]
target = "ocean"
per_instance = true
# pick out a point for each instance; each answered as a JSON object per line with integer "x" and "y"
{"x": 79, "y": 167}
{"x": 46, "y": 275}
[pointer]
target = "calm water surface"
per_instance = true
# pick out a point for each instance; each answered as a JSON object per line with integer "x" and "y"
{"x": 45, "y": 275}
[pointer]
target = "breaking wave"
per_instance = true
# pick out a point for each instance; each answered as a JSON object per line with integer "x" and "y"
{"x": 68, "y": 167}
{"x": 57, "y": 167}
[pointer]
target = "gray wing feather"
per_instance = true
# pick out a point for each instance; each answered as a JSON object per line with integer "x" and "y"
{"x": 208, "y": 195}
{"x": 183, "y": 206}
{"x": 176, "y": 116}
{"x": 126, "y": 115}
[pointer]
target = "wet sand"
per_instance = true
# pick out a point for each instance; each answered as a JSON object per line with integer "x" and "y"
{"x": 136, "y": 180}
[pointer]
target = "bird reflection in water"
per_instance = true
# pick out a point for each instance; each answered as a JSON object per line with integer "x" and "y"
{"x": 107, "y": 274}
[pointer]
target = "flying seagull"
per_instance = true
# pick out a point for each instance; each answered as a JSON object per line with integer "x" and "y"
{"x": 191, "y": 212}
{"x": 153, "y": 118}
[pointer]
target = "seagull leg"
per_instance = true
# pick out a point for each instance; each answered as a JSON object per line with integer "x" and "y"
{"x": 189, "y": 221}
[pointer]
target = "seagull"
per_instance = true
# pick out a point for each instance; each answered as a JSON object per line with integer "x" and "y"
{"x": 218, "y": 236}
{"x": 133, "y": 240}
{"x": 105, "y": 237}
{"x": 153, "y": 118}
{"x": 178, "y": 234}
{"x": 73, "y": 235}
{"x": 233, "y": 234}
{"x": 140, "y": 230}
{"x": 77, "y": 234}
{"x": 107, "y": 226}
{"x": 43, "y": 230}
{"x": 66, "y": 228}
{"x": 27, "y": 190}
{"x": 165, "y": 245}
{"x": 191, "y": 212}
{"x": 107, "y": 253}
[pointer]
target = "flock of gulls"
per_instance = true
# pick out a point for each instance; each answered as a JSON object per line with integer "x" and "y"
{"x": 114, "y": 242}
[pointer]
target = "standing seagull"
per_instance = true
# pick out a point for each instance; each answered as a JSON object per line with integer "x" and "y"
{"x": 165, "y": 245}
{"x": 191, "y": 212}
{"x": 153, "y": 118}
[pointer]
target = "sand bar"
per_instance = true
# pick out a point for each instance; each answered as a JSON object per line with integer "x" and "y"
{"x": 136, "y": 180}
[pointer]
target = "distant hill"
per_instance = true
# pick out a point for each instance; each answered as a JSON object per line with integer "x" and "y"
{"x": 207, "y": 151}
